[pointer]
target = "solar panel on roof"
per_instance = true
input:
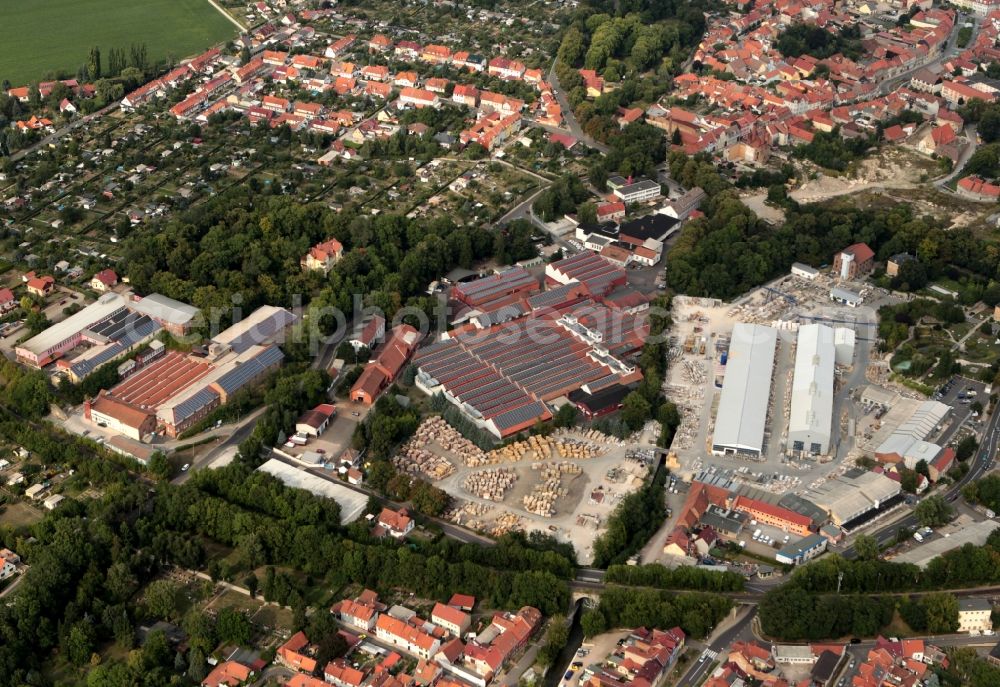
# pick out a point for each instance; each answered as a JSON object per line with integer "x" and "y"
{"x": 130, "y": 338}
{"x": 190, "y": 406}
{"x": 519, "y": 415}
{"x": 238, "y": 377}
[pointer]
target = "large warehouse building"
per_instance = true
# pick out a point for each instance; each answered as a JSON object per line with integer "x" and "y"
{"x": 811, "y": 417}
{"x": 173, "y": 393}
{"x": 854, "y": 498}
{"x": 742, "y": 414}
{"x": 114, "y": 317}
{"x": 503, "y": 367}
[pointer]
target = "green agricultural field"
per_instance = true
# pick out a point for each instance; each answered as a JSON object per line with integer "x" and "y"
{"x": 44, "y": 38}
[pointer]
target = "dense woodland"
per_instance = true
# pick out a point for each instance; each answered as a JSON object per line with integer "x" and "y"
{"x": 90, "y": 559}
{"x": 637, "y": 45}
{"x": 731, "y": 250}
{"x": 244, "y": 248}
{"x": 808, "y": 39}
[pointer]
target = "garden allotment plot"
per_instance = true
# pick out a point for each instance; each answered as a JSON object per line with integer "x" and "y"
{"x": 40, "y": 38}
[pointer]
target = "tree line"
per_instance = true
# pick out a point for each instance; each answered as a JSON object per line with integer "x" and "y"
{"x": 681, "y": 577}
{"x": 696, "y": 613}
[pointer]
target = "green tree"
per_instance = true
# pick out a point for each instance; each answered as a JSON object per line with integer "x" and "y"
{"x": 942, "y": 612}
{"x": 251, "y": 582}
{"x": 966, "y": 448}
{"x": 635, "y": 410}
{"x": 555, "y": 639}
{"x": 933, "y": 511}
{"x": 162, "y": 599}
{"x": 94, "y": 64}
{"x": 593, "y": 623}
{"x": 866, "y": 547}
{"x": 566, "y": 415}
{"x": 233, "y": 626}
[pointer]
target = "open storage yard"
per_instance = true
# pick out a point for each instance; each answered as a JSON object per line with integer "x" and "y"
{"x": 565, "y": 484}
{"x": 57, "y": 35}
{"x": 701, "y": 337}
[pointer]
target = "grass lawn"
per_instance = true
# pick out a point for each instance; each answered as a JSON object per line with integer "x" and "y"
{"x": 19, "y": 515}
{"x": 44, "y": 38}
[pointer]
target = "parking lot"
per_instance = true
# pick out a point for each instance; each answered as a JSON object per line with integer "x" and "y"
{"x": 337, "y": 437}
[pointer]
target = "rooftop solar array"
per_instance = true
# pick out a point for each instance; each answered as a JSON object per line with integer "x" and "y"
{"x": 495, "y": 286}
{"x": 556, "y": 296}
{"x": 116, "y": 327}
{"x": 195, "y": 403}
{"x": 141, "y": 329}
{"x": 247, "y": 370}
{"x": 516, "y": 366}
{"x": 590, "y": 269}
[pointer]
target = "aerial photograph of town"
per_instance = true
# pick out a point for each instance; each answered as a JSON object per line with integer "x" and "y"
{"x": 500, "y": 343}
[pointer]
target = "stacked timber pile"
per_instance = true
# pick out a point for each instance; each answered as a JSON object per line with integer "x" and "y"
{"x": 542, "y": 499}
{"x": 420, "y": 461}
{"x": 491, "y": 485}
{"x": 577, "y": 449}
{"x": 434, "y": 430}
{"x": 506, "y": 523}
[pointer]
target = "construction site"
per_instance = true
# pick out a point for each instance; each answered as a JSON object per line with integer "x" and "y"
{"x": 565, "y": 484}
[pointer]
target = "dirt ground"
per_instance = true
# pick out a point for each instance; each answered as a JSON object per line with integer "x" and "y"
{"x": 20, "y": 515}
{"x": 894, "y": 168}
{"x": 568, "y": 483}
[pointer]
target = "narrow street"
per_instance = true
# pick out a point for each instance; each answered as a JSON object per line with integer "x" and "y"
{"x": 571, "y": 123}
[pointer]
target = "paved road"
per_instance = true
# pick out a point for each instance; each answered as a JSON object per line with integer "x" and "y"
{"x": 979, "y": 464}
{"x": 62, "y": 131}
{"x": 717, "y": 644}
{"x": 950, "y": 50}
{"x": 245, "y": 426}
{"x": 451, "y": 529}
{"x": 963, "y": 158}
{"x": 571, "y": 123}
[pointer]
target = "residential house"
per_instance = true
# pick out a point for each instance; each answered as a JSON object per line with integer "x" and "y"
{"x": 323, "y": 256}
{"x": 610, "y": 212}
{"x": 455, "y": 621}
{"x": 357, "y": 613}
{"x": 396, "y": 524}
{"x": 104, "y": 281}
{"x": 342, "y": 674}
{"x": 418, "y": 97}
{"x": 975, "y": 615}
{"x": 370, "y": 334}
{"x": 7, "y": 301}
{"x": 466, "y": 95}
{"x": 297, "y": 654}
{"x": 379, "y": 43}
{"x": 8, "y": 563}
{"x": 411, "y": 639}
{"x": 41, "y": 286}
{"x": 976, "y": 188}
{"x": 229, "y": 674}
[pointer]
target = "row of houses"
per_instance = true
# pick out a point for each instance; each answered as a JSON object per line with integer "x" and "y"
{"x": 445, "y": 638}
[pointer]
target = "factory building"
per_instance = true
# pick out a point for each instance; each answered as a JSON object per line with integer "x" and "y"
{"x": 907, "y": 443}
{"x": 856, "y": 497}
{"x": 810, "y": 419}
{"x": 742, "y": 413}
